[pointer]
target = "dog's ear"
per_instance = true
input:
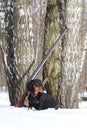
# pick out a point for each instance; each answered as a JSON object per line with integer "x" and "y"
{"x": 30, "y": 86}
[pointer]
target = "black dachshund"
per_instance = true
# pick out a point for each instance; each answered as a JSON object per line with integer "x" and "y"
{"x": 37, "y": 98}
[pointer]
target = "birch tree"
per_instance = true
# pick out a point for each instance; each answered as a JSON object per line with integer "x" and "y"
{"x": 53, "y": 28}
{"x": 72, "y": 54}
{"x": 24, "y": 34}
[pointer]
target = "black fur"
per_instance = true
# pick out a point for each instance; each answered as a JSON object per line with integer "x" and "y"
{"x": 30, "y": 85}
{"x": 42, "y": 100}
{"x": 34, "y": 101}
{"x": 47, "y": 101}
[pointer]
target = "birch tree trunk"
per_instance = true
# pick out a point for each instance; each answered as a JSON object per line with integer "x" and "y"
{"x": 24, "y": 42}
{"x": 3, "y": 83}
{"x": 52, "y": 68}
{"x": 72, "y": 54}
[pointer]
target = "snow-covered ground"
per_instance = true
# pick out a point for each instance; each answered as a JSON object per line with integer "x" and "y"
{"x": 12, "y": 118}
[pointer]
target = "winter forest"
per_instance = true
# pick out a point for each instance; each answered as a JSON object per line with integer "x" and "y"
{"x": 28, "y": 29}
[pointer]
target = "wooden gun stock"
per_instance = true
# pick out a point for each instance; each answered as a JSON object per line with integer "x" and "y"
{"x": 22, "y": 99}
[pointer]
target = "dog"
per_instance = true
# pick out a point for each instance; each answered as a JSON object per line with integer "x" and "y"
{"x": 37, "y": 98}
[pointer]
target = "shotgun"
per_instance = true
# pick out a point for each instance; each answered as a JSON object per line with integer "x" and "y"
{"x": 34, "y": 74}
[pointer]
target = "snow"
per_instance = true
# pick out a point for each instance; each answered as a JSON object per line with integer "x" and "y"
{"x": 13, "y": 118}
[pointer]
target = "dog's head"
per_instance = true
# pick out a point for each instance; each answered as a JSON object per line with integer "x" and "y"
{"x": 35, "y": 86}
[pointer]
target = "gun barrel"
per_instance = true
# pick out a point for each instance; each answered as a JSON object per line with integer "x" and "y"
{"x": 34, "y": 74}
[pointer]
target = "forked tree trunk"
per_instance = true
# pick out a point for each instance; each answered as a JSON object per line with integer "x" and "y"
{"x": 24, "y": 42}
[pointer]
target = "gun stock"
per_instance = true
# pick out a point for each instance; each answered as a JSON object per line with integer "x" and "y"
{"x": 21, "y": 101}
